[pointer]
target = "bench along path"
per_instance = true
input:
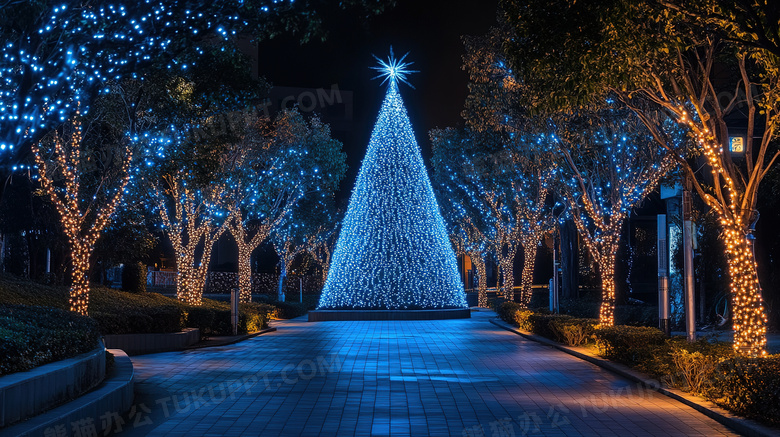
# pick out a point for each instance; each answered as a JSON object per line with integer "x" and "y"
{"x": 450, "y": 377}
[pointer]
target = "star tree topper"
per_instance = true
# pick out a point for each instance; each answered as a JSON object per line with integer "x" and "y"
{"x": 393, "y": 69}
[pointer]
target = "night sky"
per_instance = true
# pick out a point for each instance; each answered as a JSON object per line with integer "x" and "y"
{"x": 430, "y": 30}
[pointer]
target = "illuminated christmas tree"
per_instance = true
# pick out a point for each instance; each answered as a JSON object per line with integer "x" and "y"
{"x": 393, "y": 251}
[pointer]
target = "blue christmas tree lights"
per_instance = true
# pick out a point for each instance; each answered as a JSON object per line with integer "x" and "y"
{"x": 393, "y": 251}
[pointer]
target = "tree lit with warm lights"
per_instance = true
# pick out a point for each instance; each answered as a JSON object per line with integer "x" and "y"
{"x": 610, "y": 164}
{"x": 193, "y": 220}
{"x": 65, "y": 165}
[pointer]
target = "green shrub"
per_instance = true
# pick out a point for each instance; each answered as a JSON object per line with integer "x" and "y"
{"x": 118, "y": 312}
{"x": 134, "y": 277}
{"x": 689, "y": 363}
{"x": 213, "y": 318}
{"x": 271, "y": 311}
{"x": 541, "y": 324}
{"x": 559, "y": 327}
{"x": 749, "y": 387}
{"x": 520, "y": 319}
{"x": 695, "y": 368}
{"x": 17, "y": 291}
{"x": 573, "y": 331}
{"x": 506, "y": 311}
{"x": 631, "y": 345}
{"x": 290, "y": 310}
{"x": 32, "y": 336}
{"x": 255, "y": 316}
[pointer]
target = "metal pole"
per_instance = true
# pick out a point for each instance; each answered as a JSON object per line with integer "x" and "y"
{"x": 554, "y": 292}
{"x": 690, "y": 302}
{"x": 300, "y": 288}
{"x": 234, "y": 298}
{"x": 463, "y": 271}
{"x": 663, "y": 277}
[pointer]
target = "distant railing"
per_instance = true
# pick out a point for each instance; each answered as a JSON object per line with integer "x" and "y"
{"x": 516, "y": 288}
{"x": 223, "y": 282}
{"x": 161, "y": 279}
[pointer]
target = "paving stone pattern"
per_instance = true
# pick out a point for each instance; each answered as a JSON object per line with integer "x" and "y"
{"x": 441, "y": 378}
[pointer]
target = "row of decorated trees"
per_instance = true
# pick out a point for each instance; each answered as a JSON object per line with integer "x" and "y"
{"x": 603, "y": 100}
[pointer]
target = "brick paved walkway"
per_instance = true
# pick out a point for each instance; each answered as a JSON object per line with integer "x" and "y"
{"x": 453, "y": 377}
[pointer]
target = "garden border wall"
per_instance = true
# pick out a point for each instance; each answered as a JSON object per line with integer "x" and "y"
{"x": 139, "y": 344}
{"x": 27, "y": 394}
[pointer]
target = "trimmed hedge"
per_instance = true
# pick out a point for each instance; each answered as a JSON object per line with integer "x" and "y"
{"x": 749, "y": 387}
{"x": 559, "y": 327}
{"x": 745, "y": 386}
{"x": 33, "y": 336}
{"x": 119, "y": 312}
{"x": 212, "y": 318}
{"x": 288, "y": 309}
{"x": 506, "y": 311}
{"x": 631, "y": 345}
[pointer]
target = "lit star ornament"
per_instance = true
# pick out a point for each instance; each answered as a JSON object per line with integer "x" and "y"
{"x": 393, "y": 69}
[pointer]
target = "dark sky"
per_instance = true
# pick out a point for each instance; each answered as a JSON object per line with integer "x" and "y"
{"x": 430, "y": 30}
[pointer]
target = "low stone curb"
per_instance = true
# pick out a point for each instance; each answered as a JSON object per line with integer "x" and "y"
{"x": 231, "y": 340}
{"x": 114, "y": 396}
{"x": 739, "y": 424}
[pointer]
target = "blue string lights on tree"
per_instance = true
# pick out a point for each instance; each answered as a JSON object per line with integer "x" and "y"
{"x": 393, "y": 251}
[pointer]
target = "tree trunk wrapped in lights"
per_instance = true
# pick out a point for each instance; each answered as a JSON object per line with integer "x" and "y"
{"x": 731, "y": 191}
{"x": 248, "y": 239}
{"x": 60, "y": 158}
{"x": 611, "y": 164}
{"x": 324, "y": 241}
{"x": 527, "y": 276}
{"x": 478, "y": 259}
{"x": 475, "y": 246}
{"x": 287, "y": 249}
{"x": 517, "y": 212}
{"x": 505, "y": 242}
{"x": 192, "y": 224}
{"x": 468, "y": 241}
